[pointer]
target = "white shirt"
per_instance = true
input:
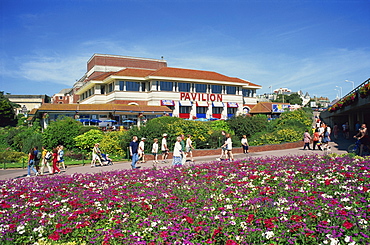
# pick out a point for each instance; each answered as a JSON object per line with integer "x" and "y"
{"x": 141, "y": 147}
{"x": 164, "y": 144}
{"x": 229, "y": 144}
{"x": 244, "y": 141}
{"x": 188, "y": 142}
{"x": 177, "y": 149}
{"x": 155, "y": 147}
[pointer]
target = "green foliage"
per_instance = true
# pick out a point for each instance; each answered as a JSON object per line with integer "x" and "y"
{"x": 12, "y": 156}
{"x": 288, "y": 128}
{"x": 87, "y": 140}
{"x": 62, "y": 132}
{"x": 22, "y": 138}
{"x": 248, "y": 125}
{"x": 111, "y": 143}
{"x": 7, "y": 115}
{"x": 220, "y": 125}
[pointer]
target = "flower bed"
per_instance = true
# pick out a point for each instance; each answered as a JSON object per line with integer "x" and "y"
{"x": 286, "y": 200}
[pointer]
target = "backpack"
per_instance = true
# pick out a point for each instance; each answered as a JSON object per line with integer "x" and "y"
{"x": 38, "y": 155}
{"x": 48, "y": 155}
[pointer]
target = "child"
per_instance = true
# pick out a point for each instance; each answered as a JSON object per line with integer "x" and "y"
{"x": 155, "y": 151}
{"x": 245, "y": 144}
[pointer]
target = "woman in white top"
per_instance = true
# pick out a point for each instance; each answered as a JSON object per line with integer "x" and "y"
{"x": 177, "y": 152}
{"x": 155, "y": 151}
{"x": 229, "y": 147}
{"x": 189, "y": 147}
{"x": 95, "y": 155}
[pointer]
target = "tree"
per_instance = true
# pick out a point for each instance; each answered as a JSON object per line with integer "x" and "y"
{"x": 7, "y": 115}
{"x": 62, "y": 132}
{"x": 247, "y": 125}
{"x": 292, "y": 99}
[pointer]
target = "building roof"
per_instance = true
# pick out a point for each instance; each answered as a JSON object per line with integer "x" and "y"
{"x": 171, "y": 72}
{"x": 100, "y": 107}
{"x": 264, "y": 107}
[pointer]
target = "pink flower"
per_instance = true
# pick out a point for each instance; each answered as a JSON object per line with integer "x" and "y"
{"x": 347, "y": 224}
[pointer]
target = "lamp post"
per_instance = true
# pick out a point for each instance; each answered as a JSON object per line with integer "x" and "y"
{"x": 353, "y": 84}
{"x": 337, "y": 93}
{"x": 340, "y": 91}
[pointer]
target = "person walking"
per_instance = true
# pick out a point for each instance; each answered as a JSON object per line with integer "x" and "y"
{"x": 155, "y": 151}
{"x": 316, "y": 140}
{"x": 245, "y": 144}
{"x": 177, "y": 152}
{"x": 141, "y": 152}
{"x": 31, "y": 163}
{"x": 164, "y": 148}
{"x": 96, "y": 156}
{"x": 46, "y": 156}
{"x": 189, "y": 147}
{"x": 335, "y": 131}
{"x": 134, "y": 146}
{"x": 37, "y": 157}
{"x": 326, "y": 139}
{"x": 61, "y": 157}
{"x": 363, "y": 137}
{"x": 55, "y": 161}
{"x": 306, "y": 140}
{"x": 229, "y": 147}
{"x": 223, "y": 149}
{"x": 183, "y": 149}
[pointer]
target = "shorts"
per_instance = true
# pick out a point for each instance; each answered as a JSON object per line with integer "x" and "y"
{"x": 154, "y": 153}
{"x": 188, "y": 149}
{"x": 165, "y": 152}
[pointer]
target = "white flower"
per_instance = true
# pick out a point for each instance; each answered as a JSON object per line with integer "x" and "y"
{"x": 153, "y": 224}
{"x": 21, "y": 229}
{"x": 269, "y": 234}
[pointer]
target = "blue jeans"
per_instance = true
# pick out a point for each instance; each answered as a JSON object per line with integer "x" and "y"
{"x": 31, "y": 166}
{"x": 135, "y": 158}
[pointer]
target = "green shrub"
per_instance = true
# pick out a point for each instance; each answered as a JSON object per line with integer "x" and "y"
{"x": 13, "y": 156}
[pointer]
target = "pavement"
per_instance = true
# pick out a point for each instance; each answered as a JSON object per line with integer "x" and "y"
{"x": 339, "y": 146}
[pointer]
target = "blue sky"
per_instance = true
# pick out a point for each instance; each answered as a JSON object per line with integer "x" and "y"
{"x": 312, "y": 46}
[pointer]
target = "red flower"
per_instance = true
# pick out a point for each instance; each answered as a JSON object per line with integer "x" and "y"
{"x": 55, "y": 236}
{"x": 163, "y": 234}
{"x": 231, "y": 242}
{"x": 347, "y": 224}
{"x": 250, "y": 218}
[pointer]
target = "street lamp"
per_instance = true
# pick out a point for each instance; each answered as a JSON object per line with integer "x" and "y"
{"x": 340, "y": 91}
{"x": 353, "y": 84}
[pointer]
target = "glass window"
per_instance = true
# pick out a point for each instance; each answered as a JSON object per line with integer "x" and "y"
{"x": 216, "y": 89}
{"x": 121, "y": 85}
{"x": 217, "y": 110}
{"x": 143, "y": 86}
{"x": 110, "y": 87}
{"x": 230, "y": 90}
{"x": 132, "y": 86}
{"x": 184, "y": 87}
{"x": 185, "y": 109}
{"x": 202, "y": 110}
{"x": 166, "y": 86}
{"x": 200, "y": 88}
{"x": 102, "y": 89}
{"x": 231, "y": 110}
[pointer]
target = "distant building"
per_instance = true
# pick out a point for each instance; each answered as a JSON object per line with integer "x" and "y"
{"x": 27, "y": 102}
{"x": 63, "y": 97}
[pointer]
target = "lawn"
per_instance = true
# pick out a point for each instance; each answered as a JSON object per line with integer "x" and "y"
{"x": 286, "y": 200}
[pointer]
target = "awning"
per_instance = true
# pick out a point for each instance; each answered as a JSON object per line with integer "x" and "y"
{"x": 185, "y": 103}
{"x": 217, "y": 104}
{"x": 202, "y": 104}
{"x": 232, "y": 104}
{"x": 167, "y": 102}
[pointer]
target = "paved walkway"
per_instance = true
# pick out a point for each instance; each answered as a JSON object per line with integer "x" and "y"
{"x": 340, "y": 147}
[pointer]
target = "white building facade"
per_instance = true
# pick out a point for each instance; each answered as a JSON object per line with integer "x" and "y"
{"x": 188, "y": 93}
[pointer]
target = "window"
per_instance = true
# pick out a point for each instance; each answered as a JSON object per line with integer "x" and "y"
{"x": 201, "y": 88}
{"x": 110, "y": 87}
{"x": 230, "y": 90}
{"x": 121, "y": 85}
{"x": 231, "y": 110}
{"x": 184, "y": 87}
{"x": 102, "y": 89}
{"x": 217, "y": 110}
{"x": 143, "y": 86}
{"x": 202, "y": 110}
{"x": 216, "y": 89}
{"x": 166, "y": 86}
{"x": 60, "y": 97}
{"x": 185, "y": 109}
{"x": 132, "y": 86}
{"x": 247, "y": 92}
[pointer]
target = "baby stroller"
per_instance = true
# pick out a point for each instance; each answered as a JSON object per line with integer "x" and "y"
{"x": 106, "y": 160}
